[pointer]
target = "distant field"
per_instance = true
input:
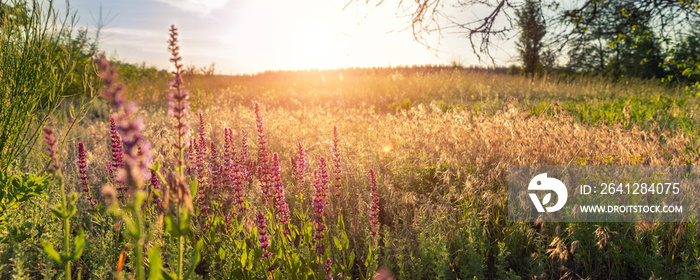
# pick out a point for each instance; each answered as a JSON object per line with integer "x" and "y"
{"x": 440, "y": 140}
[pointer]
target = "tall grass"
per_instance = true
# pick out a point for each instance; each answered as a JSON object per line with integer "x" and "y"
{"x": 37, "y": 68}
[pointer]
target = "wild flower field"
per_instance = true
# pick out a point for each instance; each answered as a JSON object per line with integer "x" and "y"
{"x": 344, "y": 174}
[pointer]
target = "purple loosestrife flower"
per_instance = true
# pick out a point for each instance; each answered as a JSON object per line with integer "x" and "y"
{"x": 299, "y": 165}
{"x": 244, "y": 164}
{"x": 264, "y": 239}
{"x": 137, "y": 163}
{"x": 324, "y": 177}
{"x": 82, "y": 169}
{"x": 214, "y": 169}
{"x": 52, "y": 149}
{"x": 117, "y": 155}
{"x": 328, "y": 266}
{"x": 179, "y": 98}
{"x": 130, "y": 127}
{"x": 237, "y": 179}
{"x": 201, "y": 148}
{"x": 374, "y": 204}
{"x": 263, "y": 171}
{"x": 117, "y": 159}
{"x": 226, "y": 153}
{"x": 229, "y": 157}
{"x": 243, "y": 159}
{"x": 155, "y": 185}
{"x": 114, "y": 91}
{"x": 280, "y": 204}
{"x": 337, "y": 168}
{"x": 213, "y": 158}
{"x": 202, "y": 133}
{"x": 320, "y": 176}
{"x": 191, "y": 158}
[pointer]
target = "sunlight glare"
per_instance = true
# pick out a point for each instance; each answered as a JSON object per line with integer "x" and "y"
{"x": 317, "y": 46}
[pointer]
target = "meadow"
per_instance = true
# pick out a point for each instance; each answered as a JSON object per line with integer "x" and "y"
{"x": 341, "y": 174}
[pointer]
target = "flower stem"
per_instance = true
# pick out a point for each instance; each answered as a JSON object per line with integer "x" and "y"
{"x": 66, "y": 223}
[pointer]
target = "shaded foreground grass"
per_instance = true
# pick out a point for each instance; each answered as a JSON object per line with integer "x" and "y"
{"x": 440, "y": 142}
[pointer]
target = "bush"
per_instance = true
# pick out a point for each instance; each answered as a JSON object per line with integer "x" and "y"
{"x": 40, "y": 64}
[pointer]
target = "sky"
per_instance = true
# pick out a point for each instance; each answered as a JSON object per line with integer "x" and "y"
{"x": 249, "y": 36}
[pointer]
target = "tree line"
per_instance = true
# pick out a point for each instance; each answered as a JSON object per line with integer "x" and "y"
{"x": 617, "y": 38}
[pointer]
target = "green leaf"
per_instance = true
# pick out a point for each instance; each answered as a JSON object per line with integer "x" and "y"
{"x": 131, "y": 228}
{"x": 294, "y": 262}
{"x": 51, "y": 252}
{"x": 73, "y": 197}
{"x": 167, "y": 276}
{"x": 222, "y": 253}
{"x": 337, "y": 243}
{"x": 71, "y": 210}
{"x": 196, "y": 257}
{"x": 346, "y": 241}
{"x": 193, "y": 189}
{"x": 170, "y": 226}
{"x": 56, "y": 212}
{"x": 351, "y": 259}
{"x": 249, "y": 265}
{"x": 341, "y": 224}
{"x": 155, "y": 270}
{"x": 184, "y": 225}
{"x": 79, "y": 246}
{"x": 244, "y": 258}
{"x": 368, "y": 261}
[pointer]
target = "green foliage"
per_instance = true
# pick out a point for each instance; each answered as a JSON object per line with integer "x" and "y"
{"x": 618, "y": 40}
{"x": 15, "y": 189}
{"x": 40, "y": 64}
{"x": 657, "y": 113}
{"x": 683, "y": 64}
{"x": 64, "y": 211}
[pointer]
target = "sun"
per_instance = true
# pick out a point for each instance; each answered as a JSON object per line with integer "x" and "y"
{"x": 318, "y": 47}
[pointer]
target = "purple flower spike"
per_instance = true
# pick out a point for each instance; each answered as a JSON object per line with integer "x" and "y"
{"x": 319, "y": 201}
{"x": 299, "y": 165}
{"x": 264, "y": 239}
{"x": 51, "y": 149}
{"x": 328, "y": 266}
{"x": 263, "y": 171}
{"x": 82, "y": 169}
{"x": 155, "y": 185}
{"x": 129, "y": 126}
{"x": 237, "y": 179}
{"x": 280, "y": 204}
{"x": 117, "y": 162}
{"x": 179, "y": 98}
{"x": 114, "y": 91}
{"x": 337, "y": 168}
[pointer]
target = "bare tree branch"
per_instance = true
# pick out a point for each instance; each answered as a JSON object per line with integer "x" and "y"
{"x": 429, "y": 16}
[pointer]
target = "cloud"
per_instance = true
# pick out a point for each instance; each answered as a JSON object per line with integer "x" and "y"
{"x": 140, "y": 39}
{"x": 200, "y": 7}
{"x": 133, "y": 33}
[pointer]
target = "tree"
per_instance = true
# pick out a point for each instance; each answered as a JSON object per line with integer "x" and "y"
{"x": 533, "y": 29}
{"x": 618, "y": 42}
{"x": 684, "y": 53}
{"x": 497, "y": 17}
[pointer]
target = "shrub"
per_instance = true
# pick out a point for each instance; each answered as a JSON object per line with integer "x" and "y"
{"x": 38, "y": 68}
